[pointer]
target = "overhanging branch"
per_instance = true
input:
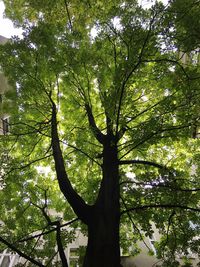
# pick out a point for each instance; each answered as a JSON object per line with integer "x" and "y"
{"x": 161, "y": 206}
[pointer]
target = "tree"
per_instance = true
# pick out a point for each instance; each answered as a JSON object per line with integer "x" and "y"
{"x": 103, "y": 112}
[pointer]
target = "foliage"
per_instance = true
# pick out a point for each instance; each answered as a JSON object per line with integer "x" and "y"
{"x": 130, "y": 75}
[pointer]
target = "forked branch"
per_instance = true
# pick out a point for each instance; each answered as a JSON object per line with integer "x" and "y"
{"x": 79, "y": 206}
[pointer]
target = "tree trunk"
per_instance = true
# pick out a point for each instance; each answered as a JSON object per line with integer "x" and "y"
{"x": 103, "y": 241}
{"x": 103, "y": 249}
{"x": 103, "y": 218}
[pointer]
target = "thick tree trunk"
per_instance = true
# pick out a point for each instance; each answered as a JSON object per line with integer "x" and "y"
{"x": 103, "y": 241}
{"x": 103, "y": 217}
{"x": 103, "y": 248}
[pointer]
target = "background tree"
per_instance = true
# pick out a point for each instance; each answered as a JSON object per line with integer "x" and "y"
{"x": 101, "y": 125}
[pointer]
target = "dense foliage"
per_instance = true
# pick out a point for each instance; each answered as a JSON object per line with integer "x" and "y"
{"x": 101, "y": 74}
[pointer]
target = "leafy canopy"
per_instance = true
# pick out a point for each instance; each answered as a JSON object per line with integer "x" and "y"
{"x": 125, "y": 62}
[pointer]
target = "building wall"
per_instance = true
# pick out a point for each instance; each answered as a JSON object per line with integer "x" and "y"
{"x": 72, "y": 254}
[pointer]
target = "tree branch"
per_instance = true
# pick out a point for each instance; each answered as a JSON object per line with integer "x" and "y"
{"x": 22, "y": 254}
{"x": 134, "y": 226}
{"x": 170, "y": 220}
{"x": 97, "y": 133}
{"x": 47, "y": 232}
{"x": 60, "y": 246}
{"x": 164, "y": 206}
{"x": 128, "y": 75}
{"x": 167, "y": 186}
{"x": 68, "y": 15}
{"x": 82, "y": 152}
{"x": 143, "y": 162}
{"x": 79, "y": 206}
{"x": 151, "y": 135}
